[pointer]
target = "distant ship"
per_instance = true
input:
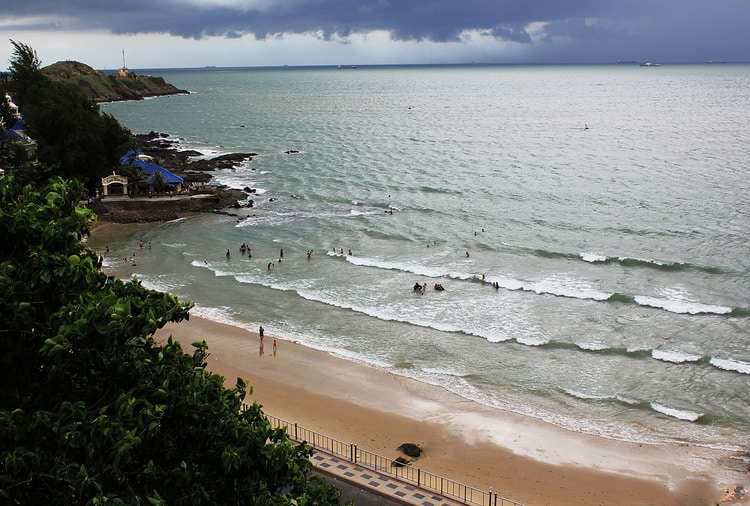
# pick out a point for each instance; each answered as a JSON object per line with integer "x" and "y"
{"x": 347, "y": 66}
{"x": 650, "y": 64}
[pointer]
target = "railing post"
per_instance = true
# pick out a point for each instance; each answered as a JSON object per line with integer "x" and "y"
{"x": 354, "y": 453}
{"x": 295, "y": 432}
{"x": 419, "y": 477}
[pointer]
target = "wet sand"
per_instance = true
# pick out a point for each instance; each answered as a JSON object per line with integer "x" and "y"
{"x": 518, "y": 457}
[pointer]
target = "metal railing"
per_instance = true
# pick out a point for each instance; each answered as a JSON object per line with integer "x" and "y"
{"x": 388, "y": 466}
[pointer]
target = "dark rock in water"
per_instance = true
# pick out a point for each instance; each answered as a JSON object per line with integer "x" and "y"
{"x": 410, "y": 449}
{"x": 400, "y": 462}
{"x": 169, "y": 156}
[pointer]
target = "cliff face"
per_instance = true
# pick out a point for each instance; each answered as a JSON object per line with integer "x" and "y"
{"x": 101, "y": 87}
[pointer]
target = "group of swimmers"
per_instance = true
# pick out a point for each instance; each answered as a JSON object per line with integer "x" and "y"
{"x": 423, "y": 287}
{"x": 245, "y": 248}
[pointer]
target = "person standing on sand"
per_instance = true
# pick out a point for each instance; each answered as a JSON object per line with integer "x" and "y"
{"x": 274, "y": 347}
{"x": 261, "y": 330}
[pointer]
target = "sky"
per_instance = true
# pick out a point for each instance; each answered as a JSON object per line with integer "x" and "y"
{"x": 247, "y": 33}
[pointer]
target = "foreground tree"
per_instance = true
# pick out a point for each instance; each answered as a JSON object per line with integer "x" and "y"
{"x": 92, "y": 409}
{"x": 72, "y": 133}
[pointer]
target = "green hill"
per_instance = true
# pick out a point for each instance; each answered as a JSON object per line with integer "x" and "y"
{"x": 101, "y": 87}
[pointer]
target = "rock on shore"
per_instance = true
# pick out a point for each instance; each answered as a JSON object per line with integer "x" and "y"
{"x": 169, "y": 207}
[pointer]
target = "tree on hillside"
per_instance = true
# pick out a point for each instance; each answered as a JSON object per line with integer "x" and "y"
{"x": 92, "y": 409}
{"x": 71, "y": 132}
{"x": 25, "y": 70}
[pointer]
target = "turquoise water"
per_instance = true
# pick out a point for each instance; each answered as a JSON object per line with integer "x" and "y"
{"x": 610, "y": 204}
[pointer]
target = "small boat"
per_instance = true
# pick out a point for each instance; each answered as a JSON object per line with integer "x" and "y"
{"x": 650, "y": 64}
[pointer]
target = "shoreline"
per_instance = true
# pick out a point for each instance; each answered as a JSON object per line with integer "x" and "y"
{"x": 518, "y": 457}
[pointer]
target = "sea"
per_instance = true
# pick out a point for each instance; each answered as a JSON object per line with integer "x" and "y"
{"x": 590, "y": 226}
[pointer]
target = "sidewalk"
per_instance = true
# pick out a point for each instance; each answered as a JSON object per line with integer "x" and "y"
{"x": 377, "y": 483}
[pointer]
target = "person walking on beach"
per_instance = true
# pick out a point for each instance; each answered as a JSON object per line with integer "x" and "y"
{"x": 261, "y": 330}
{"x": 274, "y": 347}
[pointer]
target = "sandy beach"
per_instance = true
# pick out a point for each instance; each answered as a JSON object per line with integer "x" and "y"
{"x": 518, "y": 457}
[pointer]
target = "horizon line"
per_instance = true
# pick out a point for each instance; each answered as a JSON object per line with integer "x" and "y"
{"x": 464, "y": 64}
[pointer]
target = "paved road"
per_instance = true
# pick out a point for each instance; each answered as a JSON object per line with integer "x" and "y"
{"x": 360, "y": 496}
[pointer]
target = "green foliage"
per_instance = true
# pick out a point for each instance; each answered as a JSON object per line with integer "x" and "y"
{"x": 92, "y": 409}
{"x": 72, "y": 135}
{"x": 24, "y": 69}
{"x": 136, "y": 178}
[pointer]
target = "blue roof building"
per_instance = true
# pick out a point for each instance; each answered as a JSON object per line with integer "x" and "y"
{"x": 137, "y": 158}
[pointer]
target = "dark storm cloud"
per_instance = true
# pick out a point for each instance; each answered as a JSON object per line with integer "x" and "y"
{"x": 435, "y": 20}
{"x": 628, "y": 23}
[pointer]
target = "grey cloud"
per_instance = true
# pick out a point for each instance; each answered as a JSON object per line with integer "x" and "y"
{"x": 420, "y": 20}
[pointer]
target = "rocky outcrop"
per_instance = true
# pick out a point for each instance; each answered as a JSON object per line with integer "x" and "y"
{"x": 102, "y": 87}
{"x": 410, "y": 449}
{"x": 167, "y": 154}
{"x": 164, "y": 208}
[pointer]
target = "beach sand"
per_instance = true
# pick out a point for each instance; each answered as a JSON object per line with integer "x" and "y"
{"x": 518, "y": 457}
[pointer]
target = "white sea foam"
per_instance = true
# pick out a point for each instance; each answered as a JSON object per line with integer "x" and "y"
{"x": 643, "y": 260}
{"x": 592, "y": 345}
{"x": 414, "y": 268}
{"x": 159, "y": 283}
{"x": 626, "y": 400}
{"x": 563, "y": 286}
{"x": 676, "y": 413}
{"x": 593, "y": 257}
{"x": 681, "y": 306}
{"x": 532, "y": 340}
{"x": 731, "y": 365}
{"x": 219, "y": 315}
{"x": 586, "y": 396}
{"x": 676, "y": 357}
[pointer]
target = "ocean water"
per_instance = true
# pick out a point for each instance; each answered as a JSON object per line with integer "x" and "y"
{"x": 610, "y": 205}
